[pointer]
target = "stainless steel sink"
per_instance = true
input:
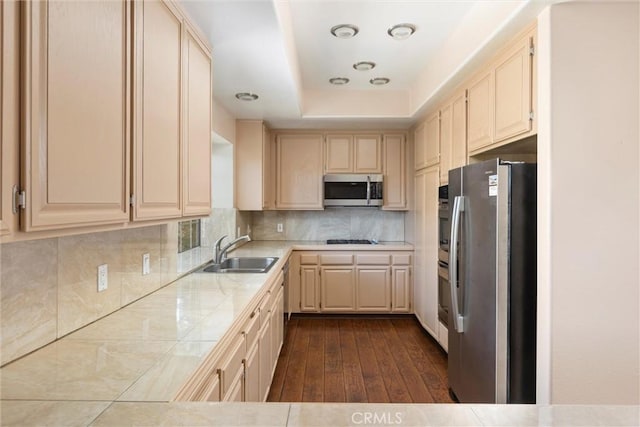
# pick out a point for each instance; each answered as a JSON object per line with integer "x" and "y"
{"x": 241, "y": 265}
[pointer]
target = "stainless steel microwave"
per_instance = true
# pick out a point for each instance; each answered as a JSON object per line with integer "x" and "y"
{"x": 353, "y": 190}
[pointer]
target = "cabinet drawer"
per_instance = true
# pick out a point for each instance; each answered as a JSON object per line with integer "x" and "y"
{"x": 251, "y": 327}
{"x": 373, "y": 259}
{"x": 336, "y": 259}
{"x": 306, "y": 259}
{"x": 402, "y": 259}
{"x": 233, "y": 363}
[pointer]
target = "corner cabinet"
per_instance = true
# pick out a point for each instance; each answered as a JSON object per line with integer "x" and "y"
{"x": 198, "y": 99}
{"x": 76, "y": 132}
{"x": 426, "y": 141}
{"x": 299, "y": 171}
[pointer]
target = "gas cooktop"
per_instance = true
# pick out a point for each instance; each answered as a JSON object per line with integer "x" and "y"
{"x": 348, "y": 242}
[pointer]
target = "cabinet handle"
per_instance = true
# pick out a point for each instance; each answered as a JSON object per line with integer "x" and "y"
{"x": 252, "y": 314}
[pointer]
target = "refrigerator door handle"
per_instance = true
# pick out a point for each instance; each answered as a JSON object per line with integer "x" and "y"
{"x": 458, "y": 207}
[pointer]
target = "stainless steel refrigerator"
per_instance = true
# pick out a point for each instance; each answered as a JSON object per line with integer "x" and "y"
{"x": 492, "y": 273}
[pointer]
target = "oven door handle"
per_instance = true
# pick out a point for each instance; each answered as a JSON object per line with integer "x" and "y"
{"x": 458, "y": 208}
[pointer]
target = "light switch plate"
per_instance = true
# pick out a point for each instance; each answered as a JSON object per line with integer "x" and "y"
{"x": 102, "y": 277}
{"x": 280, "y": 228}
{"x": 146, "y": 264}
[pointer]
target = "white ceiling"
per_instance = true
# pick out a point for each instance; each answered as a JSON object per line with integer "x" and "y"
{"x": 283, "y": 51}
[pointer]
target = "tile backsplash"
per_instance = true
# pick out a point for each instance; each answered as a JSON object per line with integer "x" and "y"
{"x": 48, "y": 287}
{"x": 342, "y": 223}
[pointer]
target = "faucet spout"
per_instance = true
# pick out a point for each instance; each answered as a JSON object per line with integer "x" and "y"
{"x": 221, "y": 254}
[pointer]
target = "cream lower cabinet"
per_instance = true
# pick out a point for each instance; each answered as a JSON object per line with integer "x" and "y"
{"x": 241, "y": 366}
{"x": 352, "y": 282}
{"x": 337, "y": 289}
{"x": 373, "y": 287}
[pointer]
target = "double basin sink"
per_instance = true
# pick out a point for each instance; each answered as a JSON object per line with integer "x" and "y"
{"x": 241, "y": 265}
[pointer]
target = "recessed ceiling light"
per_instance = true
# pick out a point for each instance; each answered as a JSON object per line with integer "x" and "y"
{"x": 401, "y": 31}
{"x": 339, "y": 81}
{"x": 344, "y": 31}
{"x": 364, "y": 65}
{"x": 246, "y": 96}
{"x": 379, "y": 81}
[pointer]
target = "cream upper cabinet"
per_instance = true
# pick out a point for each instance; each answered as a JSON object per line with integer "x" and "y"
{"x": 299, "y": 172}
{"x": 339, "y": 154}
{"x": 373, "y": 288}
{"x": 512, "y": 82}
{"x": 76, "y": 113}
{"x": 9, "y": 113}
{"x": 432, "y": 137}
{"x": 253, "y": 151}
{"x": 394, "y": 188}
{"x": 427, "y": 142}
{"x": 367, "y": 154}
{"x": 459, "y": 130}
{"x": 157, "y": 111}
{"x": 420, "y": 145}
{"x": 337, "y": 288}
{"x": 353, "y": 154}
{"x": 197, "y": 126}
{"x": 446, "y": 142}
{"x": 480, "y": 112}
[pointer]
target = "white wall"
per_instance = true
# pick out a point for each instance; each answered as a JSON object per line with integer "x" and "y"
{"x": 589, "y": 299}
{"x": 224, "y": 124}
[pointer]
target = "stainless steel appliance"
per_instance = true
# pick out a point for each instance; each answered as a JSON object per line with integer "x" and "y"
{"x": 353, "y": 190}
{"x": 444, "y": 294}
{"x": 492, "y": 270}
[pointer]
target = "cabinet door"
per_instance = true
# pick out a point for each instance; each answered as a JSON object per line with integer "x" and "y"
{"x": 299, "y": 172}
{"x": 432, "y": 136}
{"x": 236, "y": 389}
{"x": 264, "y": 351}
{"x": 513, "y": 91}
{"x": 252, "y": 165}
{"x": 339, "y": 154}
{"x": 420, "y": 145}
{"x": 76, "y": 124}
{"x": 157, "y": 111}
{"x": 425, "y": 286}
{"x": 395, "y": 180}
{"x": 267, "y": 170}
{"x": 309, "y": 288}
{"x": 197, "y": 127}
{"x": 480, "y": 112}
{"x": 337, "y": 286}
{"x": 9, "y": 113}
{"x": 373, "y": 289}
{"x": 252, "y": 375}
{"x": 459, "y": 131}
{"x": 368, "y": 154}
{"x": 400, "y": 290}
{"x": 446, "y": 142}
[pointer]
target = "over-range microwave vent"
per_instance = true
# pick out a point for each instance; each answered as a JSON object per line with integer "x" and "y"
{"x": 353, "y": 190}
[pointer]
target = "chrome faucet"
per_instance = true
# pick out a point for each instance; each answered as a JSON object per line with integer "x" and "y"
{"x": 221, "y": 254}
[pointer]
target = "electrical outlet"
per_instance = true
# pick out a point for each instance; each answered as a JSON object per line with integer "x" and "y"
{"x": 102, "y": 278}
{"x": 280, "y": 228}
{"x": 146, "y": 264}
{"x": 238, "y": 232}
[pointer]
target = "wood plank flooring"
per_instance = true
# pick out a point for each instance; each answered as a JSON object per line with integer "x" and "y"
{"x": 375, "y": 359}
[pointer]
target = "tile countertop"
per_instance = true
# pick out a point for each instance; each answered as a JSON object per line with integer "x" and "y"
{"x": 125, "y": 368}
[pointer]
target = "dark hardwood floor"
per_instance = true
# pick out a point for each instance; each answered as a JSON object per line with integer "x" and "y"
{"x": 375, "y": 359}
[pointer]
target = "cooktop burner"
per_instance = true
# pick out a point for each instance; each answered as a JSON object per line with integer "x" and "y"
{"x": 348, "y": 242}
